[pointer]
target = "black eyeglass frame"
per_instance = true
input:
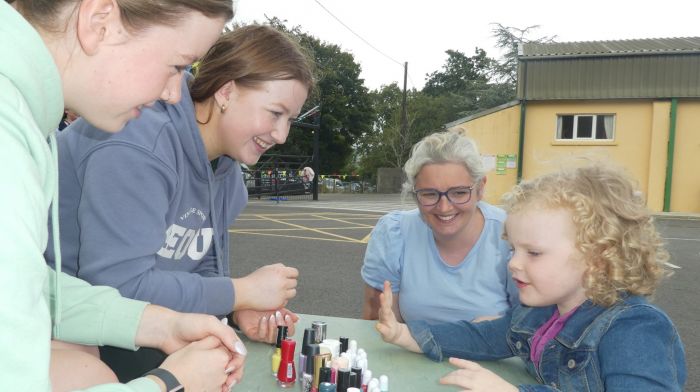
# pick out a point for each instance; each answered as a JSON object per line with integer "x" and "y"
{"x": 445, "y": 193}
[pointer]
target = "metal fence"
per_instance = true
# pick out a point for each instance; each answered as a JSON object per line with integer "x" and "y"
{"x": 279, "y": 177}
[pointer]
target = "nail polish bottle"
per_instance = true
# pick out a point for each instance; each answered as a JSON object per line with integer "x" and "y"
{"x": 324, "y": 374}
{"x": 277, "y": 355}
{"x": 319, "y": 331}
{"x": 343, "y": 380}
{"x": 308, "y": 375}
{"x": 383, "y": 383}
{"x": 344, "y": 344}
{"x": 352, "y": 379}
{"x": 286, "y": 375}
{"x": 366, "y": 377}
{"x": 358, "y": 380}
{"x": 326, "y": 387}
{"x": 309, "y": 336}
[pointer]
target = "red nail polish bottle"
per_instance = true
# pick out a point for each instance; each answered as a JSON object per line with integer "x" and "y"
{"x": 286, "y": 374}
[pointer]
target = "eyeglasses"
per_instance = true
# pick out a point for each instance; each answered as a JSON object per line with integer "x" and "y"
{"x": 457, "y": 195}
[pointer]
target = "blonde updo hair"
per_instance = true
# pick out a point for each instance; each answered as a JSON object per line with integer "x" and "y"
{"x": 615, "y": 232}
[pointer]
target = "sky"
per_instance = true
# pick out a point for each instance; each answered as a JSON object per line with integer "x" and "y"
{"x": 392, "y": 32}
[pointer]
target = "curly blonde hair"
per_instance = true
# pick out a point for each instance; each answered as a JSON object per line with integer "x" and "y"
{"x": 615, "y": 231}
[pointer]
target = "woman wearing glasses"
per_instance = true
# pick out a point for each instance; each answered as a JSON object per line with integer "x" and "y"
{"x": 445, "y": 260}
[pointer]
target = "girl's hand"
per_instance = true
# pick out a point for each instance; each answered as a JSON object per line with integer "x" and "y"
{"x": 204, "y": 365}
{"x": 472, "y": 377}
{"x": 268, "y": 287}
{"x": 262, "y": 326}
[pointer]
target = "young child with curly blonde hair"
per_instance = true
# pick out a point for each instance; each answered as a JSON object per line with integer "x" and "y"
{"x": 586, "y": 255}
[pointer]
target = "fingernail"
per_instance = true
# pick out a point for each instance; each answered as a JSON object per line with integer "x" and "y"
{"x": 287, "y": 319}
{"x": 240, "y": 348}
{"x": 264, "y": 319}
{"x": 278, "y": 315}
{"x": 233, "y": 384}
{"x": 229, "y": 370}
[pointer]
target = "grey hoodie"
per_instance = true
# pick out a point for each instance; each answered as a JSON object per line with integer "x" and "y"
{"x": 143, "y": 211}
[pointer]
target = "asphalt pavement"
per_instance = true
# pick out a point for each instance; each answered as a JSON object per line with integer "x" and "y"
{"x": 326, "y": 241}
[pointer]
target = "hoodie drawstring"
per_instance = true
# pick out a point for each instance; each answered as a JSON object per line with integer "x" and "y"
{"x": 56, "y": 238}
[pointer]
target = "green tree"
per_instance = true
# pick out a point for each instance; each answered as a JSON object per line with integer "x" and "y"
{"x": 460, "y": 73}
{"x": 346, "y": 112}
{"x": 509, "y": 38}
{"x": 388, "y": 145}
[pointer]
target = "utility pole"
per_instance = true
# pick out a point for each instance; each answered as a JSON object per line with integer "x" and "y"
{"x": 404, "y": 117}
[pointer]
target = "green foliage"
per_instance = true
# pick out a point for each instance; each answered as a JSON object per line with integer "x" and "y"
{"x": 509, "y": 38}
{"x": 346, "y": 112}
{"x": 361, "y": 130}
{"x": 460, "y": 73}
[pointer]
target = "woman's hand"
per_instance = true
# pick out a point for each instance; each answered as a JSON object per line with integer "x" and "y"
{"x": 472, "y": 377}
{"x": 391, "y": 330}
{"x": 268, "y": 287}
{"x": 262, "y": 326}
{"x": 387, "y": 325}
{"x": 204, "y": 365}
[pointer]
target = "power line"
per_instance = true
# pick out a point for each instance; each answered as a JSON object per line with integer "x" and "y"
{"x": 357, "y": 35}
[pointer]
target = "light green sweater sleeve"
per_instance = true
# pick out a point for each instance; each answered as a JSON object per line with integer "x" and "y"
{"x": 95, "y": 315}
{"x": 91, "y": 315}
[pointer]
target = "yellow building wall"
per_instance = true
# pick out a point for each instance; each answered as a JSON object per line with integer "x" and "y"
{"x": 495, "y": 134}
{"x": 658, "y": 153}
{"x": 640, "y": 145}
{"x": 685, "y": 190}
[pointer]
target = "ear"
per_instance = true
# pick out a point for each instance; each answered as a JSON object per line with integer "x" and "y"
{"x": 224, "y": 93}
{"x": 481, "y": 188}
{"x": 96, "y": 19}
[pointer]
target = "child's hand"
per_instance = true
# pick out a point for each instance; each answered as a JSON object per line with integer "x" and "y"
{"x": 472, "y": 377}
{"x": 387, "y": 325}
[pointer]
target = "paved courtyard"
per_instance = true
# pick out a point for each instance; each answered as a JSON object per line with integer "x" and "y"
{"x": 326, "y": 240}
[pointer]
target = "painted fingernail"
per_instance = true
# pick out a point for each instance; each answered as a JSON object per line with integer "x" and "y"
{"x": 264, "y": 319}
{"x": 278, "y": 315}
{"x": 287, "y": 319}
{"x": 229, "y": 370}
{"x": 240, "y": 348}
{"x": 233, "y": 384}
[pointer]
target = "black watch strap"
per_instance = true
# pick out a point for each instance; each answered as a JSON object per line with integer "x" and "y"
{"x": 171, "y": 383}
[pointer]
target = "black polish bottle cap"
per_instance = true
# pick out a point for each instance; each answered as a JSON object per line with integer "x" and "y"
{"x": 281, "y": 335}
{"x": 314, "y": 349}
{"x": 344, "y": 344}
{"x": 352, "y": 380}
{"x": 358, "y": 381}
{"x": 343, "y": 379}
{"x": 324, "y": 375}
{"x": 309, "y": 335}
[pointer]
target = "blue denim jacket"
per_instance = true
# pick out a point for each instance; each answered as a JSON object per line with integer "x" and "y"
{"x": 630, "y": 346}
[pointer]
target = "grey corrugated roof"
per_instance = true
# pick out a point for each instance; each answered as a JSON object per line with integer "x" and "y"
{"x": 482, "y": 113}
{"x": 651, "y": 46}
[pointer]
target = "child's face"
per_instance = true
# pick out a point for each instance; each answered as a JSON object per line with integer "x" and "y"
{"x": 546, "y": 266}
{"x": 128, "y": 71}
{"x": 448, "y": 220}
{"x": 256, "y": 119}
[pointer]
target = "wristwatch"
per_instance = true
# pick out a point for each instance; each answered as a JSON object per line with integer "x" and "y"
{"x": 171, "y": 383}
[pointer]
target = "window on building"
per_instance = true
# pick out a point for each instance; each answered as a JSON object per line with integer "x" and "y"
{"x": 585, "y": 126}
